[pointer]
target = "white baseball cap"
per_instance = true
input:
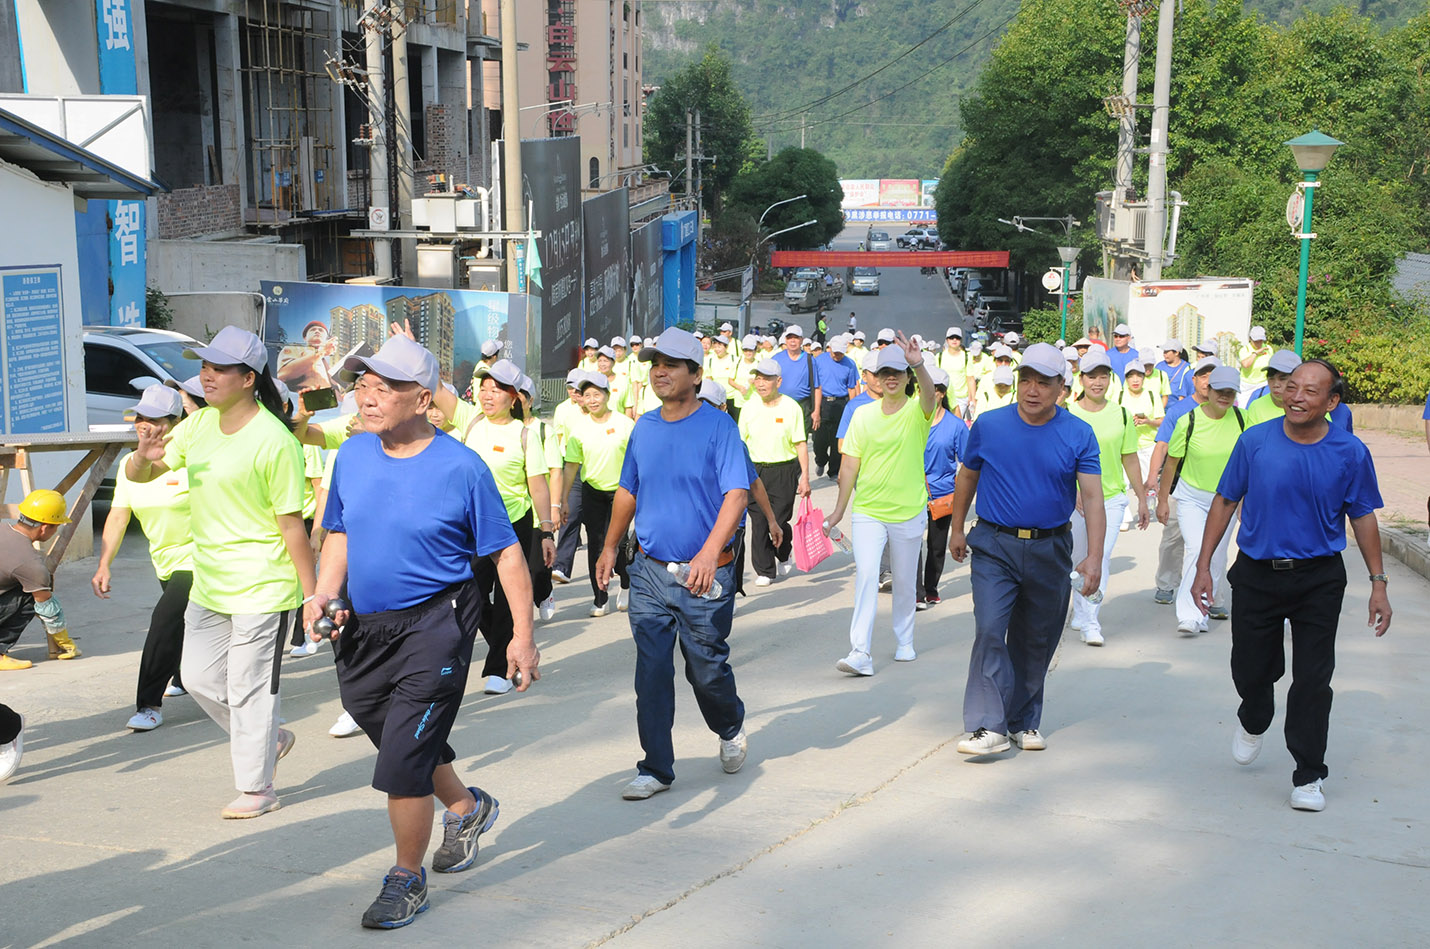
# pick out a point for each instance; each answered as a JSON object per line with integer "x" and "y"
{"x": 1204, "y": 364}
{"x": 792, "y": 330}
{"x": 939, "y": 377}
{"x": 726, "y": 328}
{"x": 405, "y": 361}
{"x": 491, "y": 347}
{"x": 675, "y": 343}
{"x": 768, "y": 367}
{"x": 859, "y": 335}
{"x": 1095, "y": 359}
{"x": 591, "y": 343}
{"x": 1011, "y": 339}
{"x": 1121, "y": 329}
{"x": 838, "y": 345}
{"x": 606, "y": 351}
{"x": 233, "y": 346}
{"x": 750, "y": 342}
{"x": 597, "y": 379}
{"x": 503, "y": 371}
{"x": 891, "y": 357}
{"x": 159, "y": 401}
{"x": 954, "y": 331}
{"x": 1257, "y": 333}
{"x": 1206, "y": 347}
{"x": 1044, "y": 360}
{"x": 886, "y": 335}
{"x": 618, "y": 341}
{"x": 1003, "y": 376}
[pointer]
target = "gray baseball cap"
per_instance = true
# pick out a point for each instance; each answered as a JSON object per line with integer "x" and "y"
{"x": 193, "y": 387}
{"x": 750, "y": 342}
{"x": 232, "y": 347}
{"x": 769, "y": 367}
{"x": 597, "y": 379}
{"x": 1225, "y": 377}
{"x": 1095, "y": 359}
{"x": 712, "y": 392}
{"x": 891, "y": 357}
{"x": 1003, "y": 376}
{"x": 675, "y": 343}
{"x": 939, "y": 377}
{"x": 1206, "y": 347}
{"x": 838, "y": 345}
{"x": 1283, "y": 360}
{"x": 1205, "y": 364}
{"x": 159, "y": 401}
{"x": 1044, "y": 359}
{"x": 503, "y": 371}
{"x": 403, "y": 360}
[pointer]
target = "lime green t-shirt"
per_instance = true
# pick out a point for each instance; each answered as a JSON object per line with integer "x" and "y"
{"x": 313, "y": 463}
{"x": 162, "y": 506}
{"x": 238, "y": 484}
{"x": 499, "y": 445}
{"x": 462, "y": 417}
{"x": 1212, "y": 442}
{"x": 857, "y": 353}
{"x": 1257, "y": 369}
{"x": 744, "y": 375}
{"x": 335, "y": 431}
{"x": 772, "y": 431}
{"x": 722, "y": 369}
{"x": 1116, "y": 435}
{"x": 957, "y": 367}
{"x": 1263, "y": 409}
{"x": 992, "y": 400}
{"x": 890, "y": 448}
{"x": 599, "y": 446}
{"x": 1147, "y": 404}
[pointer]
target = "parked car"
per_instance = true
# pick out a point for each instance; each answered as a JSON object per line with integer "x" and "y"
{"x": 121, "y": 361}
{"x": 918, "y": 238}
{"x": 865, "y": 280}
{"x": 880, "y": 240}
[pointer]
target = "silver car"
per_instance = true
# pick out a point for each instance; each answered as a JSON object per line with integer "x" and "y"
{"x": 865, "y": 280}
{"x": 121, "y": 361}
{"x": 880, "y": 240}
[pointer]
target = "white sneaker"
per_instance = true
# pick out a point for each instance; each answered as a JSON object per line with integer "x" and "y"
{"x": 1308, "y": 797}
{"x": 174, "y": 691}
{"x": 308, "y": 648}
{"x": 623, "y": 600}
{"x": 983, "y": 742}
{"x": 547, "y": 608}
{"x": 856, "y": 664}
{"x": 763, "y": 581}
{"x": 1092, "y": 635}
{"x": 905, "y": 654}
{"x": 1245, "y": 746}
{"x": 642, "y": 787}
{"x": 732, "y": 752}
{"x": 786, "y": 568}
{"x": 10, "y": 754}
{"x": 345, "y": 727}
{"x": 146, "y": 720}
{"x": 1187, "y": 630}
{"x": 600, "y": 610}
{"x": 1030, "y": 740}
{"x": 496, "y": 685}
{"x": 560, "y": 577}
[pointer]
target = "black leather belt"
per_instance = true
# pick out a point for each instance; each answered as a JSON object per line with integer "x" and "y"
{"x": 1028, "y": 533}
{"x": 1286, "y": 563}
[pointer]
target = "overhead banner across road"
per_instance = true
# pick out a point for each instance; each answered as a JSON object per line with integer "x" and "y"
{"x": 993, "y": 259}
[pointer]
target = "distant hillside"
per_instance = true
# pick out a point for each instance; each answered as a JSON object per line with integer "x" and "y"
{"x": 791, "y": 53}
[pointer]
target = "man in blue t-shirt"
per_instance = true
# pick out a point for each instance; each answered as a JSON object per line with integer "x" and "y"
{"x": 1121, "y": 355}
{"x": 685, "y": 481}
{"x": 1297, "y": 478}
{"x": 838, "y": 381}
{"x": 797, "y": 377}
{"x": 1426, "y": 417}
{"x": 1025, "y": 462}
{"x": 410, "y": 508}
{"x": 1176, "y": 371}
{"x": 1169, "y": 551}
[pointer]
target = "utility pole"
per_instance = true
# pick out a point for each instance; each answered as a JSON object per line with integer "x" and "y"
{"x": 1157, "y": 152}
{"x": 402, "y": 107}
{"x": 801, "y": 129}
{"x": 512, "y": 179}
{"x": 377, "y": 151}
{"x": 699, "y": 167}
{"x": 1127, "y": 131}
{"x": 689, "y": 153}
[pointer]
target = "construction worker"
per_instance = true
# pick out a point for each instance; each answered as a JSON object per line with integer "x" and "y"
{"x": 26, "y": 584}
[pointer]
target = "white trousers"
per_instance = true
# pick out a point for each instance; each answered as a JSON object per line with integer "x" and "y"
{"x": 1085, "y": 612}
{"x": 1144, "y": 461}
{"x": 904, "y": 539}
{"x": 228, "y": 669}
{"x": 1193, "y": 505}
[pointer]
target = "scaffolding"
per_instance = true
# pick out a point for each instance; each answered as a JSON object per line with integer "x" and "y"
{"x": 289, "y": 104}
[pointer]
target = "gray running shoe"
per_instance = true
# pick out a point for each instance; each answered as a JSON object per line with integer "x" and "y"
{"x": 403, "y": 896}
{"x": 459, "y": 834}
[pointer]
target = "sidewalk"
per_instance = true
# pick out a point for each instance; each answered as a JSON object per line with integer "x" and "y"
{"x": 853, "y": 823}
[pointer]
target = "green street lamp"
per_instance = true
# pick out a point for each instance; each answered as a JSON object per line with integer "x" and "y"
{"x": 1313, "y": 153}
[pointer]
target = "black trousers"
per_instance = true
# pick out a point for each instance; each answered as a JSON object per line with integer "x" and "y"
{"x": 17, "y": 608}
{"x": 570, "y": 536}
{"x": 540, "y": 573}
{"x": 9, "y": 724}
{"x": 596, "y": 517}
{"x": 825, "y": 451}
{"x": 496, "y": 621}
{"x": 781, "y": 484}
{"x": 164, "y": 646}
{"x": 1309, "y": 596}
{"x": 806, "y": 405}
{"x": 934, "y": 558}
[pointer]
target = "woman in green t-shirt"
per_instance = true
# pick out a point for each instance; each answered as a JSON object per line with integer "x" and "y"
{"x": 1198, "y": 451}
{"x": 883, "y": 469}
{"x": 597, "y": 447}
{"x": 252, "y": 562}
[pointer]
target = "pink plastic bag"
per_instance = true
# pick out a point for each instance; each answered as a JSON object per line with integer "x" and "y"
{"x": 810, "y": 544}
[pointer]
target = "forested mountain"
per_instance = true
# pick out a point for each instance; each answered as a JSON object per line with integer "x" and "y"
{"x": 813, "y": 63}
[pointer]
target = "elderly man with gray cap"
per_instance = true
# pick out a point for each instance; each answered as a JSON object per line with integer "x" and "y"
{"x": 772, "y": 428}
{"x": 1027, "y": 463}
{"x": 403, "y": 556}
{"x": 685, "y": 481}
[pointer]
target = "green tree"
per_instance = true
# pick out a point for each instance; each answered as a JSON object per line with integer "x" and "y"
{"x": 726, "y": 134}
{"x": 793, "y": 171}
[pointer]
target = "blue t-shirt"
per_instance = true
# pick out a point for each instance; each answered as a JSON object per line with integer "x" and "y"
{"x": 946, "y": 444}
{"x": 1179, "y": 381}
{"x": 413, "y": 524}
{"x": 1028, "y": 473}
{"x": 1296, "y": 497}
{"x": 680, "y": 473}
{"x": 1169, "y": 421}
{"x": 862, "y": 398}
{"x": 835, "y": 378}
{"x": 1120, "y": 361}
{"x": 1426, "y": 416}
{"x": 794, "y": 376}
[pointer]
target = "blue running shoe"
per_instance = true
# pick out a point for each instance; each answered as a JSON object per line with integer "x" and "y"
{"x": 403, "y": 896}
{"x": 460, "y": 832}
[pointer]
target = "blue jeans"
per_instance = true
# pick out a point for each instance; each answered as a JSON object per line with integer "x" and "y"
{"x": 1020, "y": 600}
{"x": 663, "y": 613}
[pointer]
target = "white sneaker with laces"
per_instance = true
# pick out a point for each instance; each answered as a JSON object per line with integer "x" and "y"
{"x": 763, "y": 581}
{"x": 856, "y": 664}
{"x": 10, "y": 754}
{"x": 1309, "y": 797}
{"x": 345, "y": 727}
{"x": 560, "y": 577}
{"x": 145, "y": 720}
{"x": 547, "y": 608}
{"x": 600, "y": 610}
{"x": 642, "y": 787}
{"x": 496, "y": 685}
{"x": 174, "y": 691}
{"x": 623, "y": 600}
{"x": 1092, "y": 635}
{"x": 732, "y": 752}
{"x": 1030, "y": 740}
{"x": 1245, "y": 746}
{"x": 307, "y": 648}
{"x": 984, "y": 742}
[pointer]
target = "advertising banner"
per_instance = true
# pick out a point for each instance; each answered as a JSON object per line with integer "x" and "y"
{"x": 1104, "y": 305}
{"x": 647, "y": 281}
{"x": 1190, "y": 311}
{"x": 927, "y": 187}
{"x": 606, "y": 241}
{"x": 859, "y": 192}
{"x": 552, "y": 169}
{"x": 311, "y": 326}
{"x": 891, "y": 215}
{"x": 32, "y": 351}
{"x": 898, "y": 192}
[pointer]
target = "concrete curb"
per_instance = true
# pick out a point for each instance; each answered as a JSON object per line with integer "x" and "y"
{"x": 1410, "y": 549}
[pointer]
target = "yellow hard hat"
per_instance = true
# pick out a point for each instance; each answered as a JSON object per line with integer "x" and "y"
{"x": 45, "y": 506}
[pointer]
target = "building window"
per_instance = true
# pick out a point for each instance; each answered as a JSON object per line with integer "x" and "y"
{"x": 595, "y": 173}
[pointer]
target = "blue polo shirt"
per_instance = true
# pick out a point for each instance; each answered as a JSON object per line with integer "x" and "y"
{"x": 835, "y": 378}
{"x": 1120, "y": 361}
{"x": 413, "y": 524}
{"x": 862, "y": 398}
{"x": 1179, "y": 380}
{"x": 1296, "y": 497}
{"x": 947, "y": 442}
{"x": 1028, "y": 473}
{"x": 794, "y": 375}
{"x": 1169, "y": 421}
{"x": 680, "y": 473}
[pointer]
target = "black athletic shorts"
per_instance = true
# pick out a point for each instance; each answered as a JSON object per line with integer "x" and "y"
{"x": 401, "y": 675}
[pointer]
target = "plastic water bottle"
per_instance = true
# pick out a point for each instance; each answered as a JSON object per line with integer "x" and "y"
{"x": 833, "y": 532}
{"x": 1077, "y": 581}
{"x": 681, "y": 572}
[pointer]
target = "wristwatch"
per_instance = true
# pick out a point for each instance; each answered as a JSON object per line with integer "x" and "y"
{"x": 1383, "y": 578}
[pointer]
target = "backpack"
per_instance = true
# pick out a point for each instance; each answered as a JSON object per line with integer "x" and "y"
{"x": 1191, "y": 426}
